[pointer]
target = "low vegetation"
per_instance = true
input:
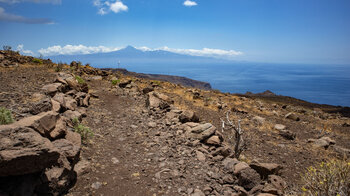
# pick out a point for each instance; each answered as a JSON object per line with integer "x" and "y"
{"x": 115, "y": 82}
{"x": 37, "y": 61}
{"x": 84, "y": 131}
{"x": 329, "y": 179}
{"x": 80, "y": 80}
{"x": 5, "y": 116}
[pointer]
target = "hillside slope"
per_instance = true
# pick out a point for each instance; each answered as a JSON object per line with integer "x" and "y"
{"x": 155, "y": 138}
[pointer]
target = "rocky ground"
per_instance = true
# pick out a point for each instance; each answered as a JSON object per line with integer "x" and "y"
{"x": 154, "y": 138}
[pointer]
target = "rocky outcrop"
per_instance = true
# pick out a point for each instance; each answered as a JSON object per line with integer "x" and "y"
{"x": 38, "y": 153}
{"x": 208, "y": 150}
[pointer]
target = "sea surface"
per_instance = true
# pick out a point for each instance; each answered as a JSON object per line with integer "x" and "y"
{"x": 324, "y": 84}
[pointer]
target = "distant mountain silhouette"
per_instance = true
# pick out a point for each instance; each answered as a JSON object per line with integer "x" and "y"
{"x": 131, "y": 55}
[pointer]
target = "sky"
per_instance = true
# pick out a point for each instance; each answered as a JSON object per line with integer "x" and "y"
{"x": 280, "y": 31}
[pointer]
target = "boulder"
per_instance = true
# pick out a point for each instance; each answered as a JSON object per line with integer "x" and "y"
{"x": 213, "y": 140}
{"x": 86, "y": 101}
{"x": 73, "y": 137}
{"x": 206, "y": 133}
{"x": 70, "y": 115}
{"x": 62, "y": 78}
{"x": 163, "y": 97}
{"x": 60, "y": 129}
{"x": 248, "y": 178}
{"x": 43, "y": 123}
{"x": 56, "y": 106}
{"x": 58, "y": 179}
{"x": 240, "y": 167}
{"x": 72, "y": 83}
{"x": 147, "y": 90}
{"x": 265, "y": 169}
{"x": 82, "y": 167}
{"x": 277, "y": 183}
{"x": 229, "y": 164}
{"x": 42, "y": 105}
{"x": 153, "y": 101}
{"x": 224, "y": 151}
{"x": 188, "y": 116}
{"x": 124, "y": 84}
{"x": 200, "y": 128}
{"x": 68, "y": 149}
{"x": 22, "y": 148}
{"x": 66, "y": 102}
{"x": 52, "y": 89}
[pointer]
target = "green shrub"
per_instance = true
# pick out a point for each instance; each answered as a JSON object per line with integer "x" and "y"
{"x": 5, "y": 116}
{"x": 156, "y": 82}
{"x": 329, "y": 178}
{"x": 37, "y": 61}
{"x": 85, "y": 132}
{"x": 80, "y": 80}
{"x": 115, "y": 82}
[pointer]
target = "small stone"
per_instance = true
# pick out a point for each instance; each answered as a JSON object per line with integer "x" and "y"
{"x": 96, "y": 185}
{"x": 200, "y": 156}
{"x": 198, "y": 192}
{"x": 280, "y": 126}
{"x": 152, "y": 124}
{"x": 115, "y": 160}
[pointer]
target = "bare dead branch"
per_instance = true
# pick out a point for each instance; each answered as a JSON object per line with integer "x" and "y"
{"x": 236, "y": 132}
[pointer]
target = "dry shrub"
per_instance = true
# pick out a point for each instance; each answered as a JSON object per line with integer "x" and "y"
{"x": 328, "y": 179}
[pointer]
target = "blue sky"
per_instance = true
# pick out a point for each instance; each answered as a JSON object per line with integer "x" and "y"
{"x": 283, "y": 31}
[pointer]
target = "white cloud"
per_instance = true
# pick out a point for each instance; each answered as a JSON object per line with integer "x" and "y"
{"x": 75, "y": 49}
{"x": 33, "y": 1}
{"x": 206, "y": 52}
{"x": 190, "y": 3}
{"x": 118, "y": 6}
{"x": 20, "y": 48}
{"x": 81, "y": 49}
{"x": 104, "y": 7}
{"x": 7, "y": 17}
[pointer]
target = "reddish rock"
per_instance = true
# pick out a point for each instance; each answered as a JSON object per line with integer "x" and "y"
{"x": 73, "y": 137}
{"x": 68, "y": 149}
{"x": 239, "y": 167}
{"x": 266, "y": 169}
{"x": 22, "y": 148}
{"x": 214, "y": 140}
{"x": 248, "y": 178}
{"x": 52, "y": 89}
{"x": 188, "y": 116}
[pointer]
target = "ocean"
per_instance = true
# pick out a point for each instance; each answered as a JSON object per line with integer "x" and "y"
{"x": 324, "y": 84}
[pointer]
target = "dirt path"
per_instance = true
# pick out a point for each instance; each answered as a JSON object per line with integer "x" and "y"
{"x": 118, "y": 157}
